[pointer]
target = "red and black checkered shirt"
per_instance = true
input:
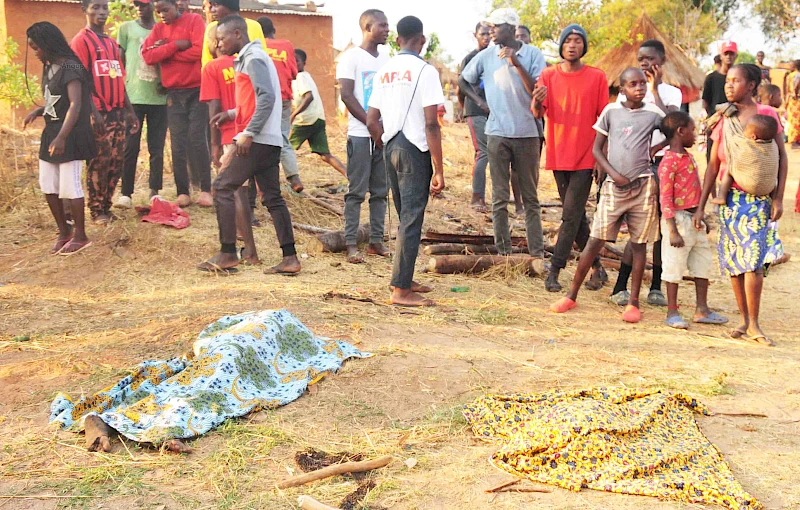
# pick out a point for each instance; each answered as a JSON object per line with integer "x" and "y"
{"x": 101, "y": 56}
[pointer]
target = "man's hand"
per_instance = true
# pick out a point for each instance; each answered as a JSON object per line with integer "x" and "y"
{"x": 132, "y": 120}
{"x": 156, "y": 44}
{"x": 484, "y": 107}
{"x": 620, "y": 180}
{"x": 243, "y": 145}
{"x": 98, "y": 123}
{"x": 599, "y": 174}
{"x": 777, "y": 210}
{"x": 57, "y": 146}
{"x": 32, "y": 116}
{"x": 437, "y": 182}
{"x": 216, "y": 155}
{"x": 219, "y": 119}
{"x": 675, "y": 239}
{"x": 654, "y": 76}
{"x": 698, "y": 219}
{"x": 183, "y": 44}
{"x": 507, "y": 52}
{"x": 540, "y": 94}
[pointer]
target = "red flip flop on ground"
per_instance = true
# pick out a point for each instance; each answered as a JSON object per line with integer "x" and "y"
{"x": 563, "y": 305}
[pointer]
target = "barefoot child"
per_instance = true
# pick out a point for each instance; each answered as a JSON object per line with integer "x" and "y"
{"x": 688, "y": 247}
{"x": 257, "y": 119}
{"x": 757, "y": 154}
{"x": 630, "y": 189}
{"x": 67, "y": 138}
{"x": 308, "y": 117}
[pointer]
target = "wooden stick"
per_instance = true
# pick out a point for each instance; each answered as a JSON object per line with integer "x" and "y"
{"x": 467, "y": 249}
{"x": 310, "y": 228}
{"x": 309, "y": 503}
{"x": 439, "y": 237}
{"x": 325, "y": 205}
{"x": 336, "y": 469}
{"x": 551, "y": 204}
{"x": 745, "y": 415}
{"x": 525, "y": 489}
{"x": 48, "y": 496}
{"x": 504, "y": 485}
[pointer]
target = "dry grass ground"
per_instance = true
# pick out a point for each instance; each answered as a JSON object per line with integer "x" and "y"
{"x": 77, "y": 324}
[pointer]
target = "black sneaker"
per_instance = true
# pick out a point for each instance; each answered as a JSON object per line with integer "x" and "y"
{"x": 551, "y": 283}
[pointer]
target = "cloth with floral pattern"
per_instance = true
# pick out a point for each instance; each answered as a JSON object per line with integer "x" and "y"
{"x": 610, "y": 439}
{"x": 243, "y": 363}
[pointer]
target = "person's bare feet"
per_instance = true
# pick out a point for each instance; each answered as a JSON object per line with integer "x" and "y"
{"x": 219, "y": 262}
{"x": 417, "y": 287}
{"x": 98, "y": 434}
{"x": 183, "y": 201}
{"x": 353, "y": 255}
{"x": 253, "y": 260}
{"x": 407, "y": 297}
{"x": 289, "y": 266}
{"x": 205, "y": 199}
{"x": 378, "y": 249}
{"x": 177, "y": 446}
{"x": 755, "y": 334}
{"x": 718, "y": 200}
{"x": 478, "y": 204}
{"x": 296, "y": 183}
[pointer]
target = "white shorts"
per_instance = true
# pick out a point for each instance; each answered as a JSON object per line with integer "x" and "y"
{"x": 695, "y": 257}
{"x": 62, "y": 179}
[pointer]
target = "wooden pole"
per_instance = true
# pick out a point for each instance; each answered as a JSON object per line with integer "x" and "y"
{"x": 451, "y": 264}
{"x": 336, "y": 469}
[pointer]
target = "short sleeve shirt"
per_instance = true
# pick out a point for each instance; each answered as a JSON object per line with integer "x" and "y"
{"x": 670, "y": 96}
{"x": 100, "y": 55}
{"x": 716, "y": 136}
{"x": 714, "y": 90}
{"x": 403, "y": 88}
{"x": 142, "y": 81}
{"x": 470, "y": 108}
{"x": 219, "y": 82}
{"x": 509, "y": 102}
{"x": 573, "y": 103}
{"x": 629, "y": 134}
{"x": 281, "y": 52}
{"x": 303, "y": 84}
{"x": 359, "y": 65}
{"x": 80, "y": 143}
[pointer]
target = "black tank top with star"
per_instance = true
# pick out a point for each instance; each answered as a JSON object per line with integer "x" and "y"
{"x": 80, "y": 143}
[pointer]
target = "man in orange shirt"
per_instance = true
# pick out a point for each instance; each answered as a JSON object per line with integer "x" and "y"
{"x": 573, "y": 96}
{"x": 281, "y": 52}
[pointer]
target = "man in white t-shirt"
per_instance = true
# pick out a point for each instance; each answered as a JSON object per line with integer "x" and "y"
{"x": 652, "y": 56}
{"x": 403, "y": 117}
{"x": 365, "y": 169}
{"x": 308, "y": 115}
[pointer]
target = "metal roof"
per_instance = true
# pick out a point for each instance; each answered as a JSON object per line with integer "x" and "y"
{"x": 245, "y": 6}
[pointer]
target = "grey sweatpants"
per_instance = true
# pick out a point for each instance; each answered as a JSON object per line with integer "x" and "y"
{"x": 521, "y": 156}
{"x": 366, "y": 172}
{"x": 288, "y": 156}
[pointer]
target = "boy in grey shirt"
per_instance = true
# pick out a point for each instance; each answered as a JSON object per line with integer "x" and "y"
{"x": 630, "y": 189}
{"x": 509, "y": 70}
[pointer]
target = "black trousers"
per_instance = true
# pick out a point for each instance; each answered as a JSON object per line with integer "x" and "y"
{"x": 263, "y": 163}
{"x": 156, "y": 117}
{"x": 573, "y": 188}
{"x": 188, "y": 119}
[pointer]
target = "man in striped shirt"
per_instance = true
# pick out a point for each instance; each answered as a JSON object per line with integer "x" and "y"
{"x": 100, "y": 55}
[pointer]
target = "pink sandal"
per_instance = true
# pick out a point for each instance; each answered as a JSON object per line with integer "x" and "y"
{"x": 74, "y": 247}
{"x": 59, "y": 246}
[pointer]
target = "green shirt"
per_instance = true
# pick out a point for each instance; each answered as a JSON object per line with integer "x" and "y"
{"x": 142, "y": 81}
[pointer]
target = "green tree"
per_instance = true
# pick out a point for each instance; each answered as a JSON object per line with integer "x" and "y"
{"x": 779, "y": 18}
{"x": 13, "y": 86}
{"x": 432, "y": 50}
{"x": 745, "y": 57}
{"x": 119, "y": 11}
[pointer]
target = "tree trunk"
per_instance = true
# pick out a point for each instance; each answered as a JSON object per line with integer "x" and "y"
{"x": 470, "y": 264}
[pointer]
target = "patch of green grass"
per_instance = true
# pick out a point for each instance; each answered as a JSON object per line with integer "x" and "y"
{"x": 359, "y": 409}
{"x": 496, "y": 317}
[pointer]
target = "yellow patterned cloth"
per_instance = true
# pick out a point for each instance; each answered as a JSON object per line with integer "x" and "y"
{"x": 610, "y": 439}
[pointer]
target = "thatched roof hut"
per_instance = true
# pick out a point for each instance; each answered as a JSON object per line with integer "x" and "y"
{"x": 679, "y": 71}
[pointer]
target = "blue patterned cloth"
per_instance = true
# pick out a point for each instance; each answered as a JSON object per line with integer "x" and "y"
{"x": 243, "y": 363}
{"x": 746, "y": 240}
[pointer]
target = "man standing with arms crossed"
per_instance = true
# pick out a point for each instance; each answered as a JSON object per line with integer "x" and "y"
{"x": 509, "y": 71}
{"x": 407, "y": 93}
{"x": 365, "y": 167}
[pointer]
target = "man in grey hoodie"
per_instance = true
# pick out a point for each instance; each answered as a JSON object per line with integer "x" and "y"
{"x": 257, "y": 118}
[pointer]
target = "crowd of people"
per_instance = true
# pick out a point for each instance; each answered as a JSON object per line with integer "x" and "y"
{"x": 235, "y": 97}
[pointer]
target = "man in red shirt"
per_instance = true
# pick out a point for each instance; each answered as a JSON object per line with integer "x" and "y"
{"x": 176, "y": 45}
{"x": 281, "y": 52}
{"x": 573, "y": 96}
{"x": 101, "y": 56}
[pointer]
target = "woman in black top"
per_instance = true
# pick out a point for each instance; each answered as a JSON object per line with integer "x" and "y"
{"x": 67, "y": 138}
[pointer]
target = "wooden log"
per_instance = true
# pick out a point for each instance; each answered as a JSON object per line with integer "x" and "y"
{"x": 333, "y": 241}
{"x": 336, "y": 469}
{"x": 339, "y": 211}
{"x": 309, "y": 503}
{"x": 470, "y": 264}
{"x": 318, "y": 193}
{"x": 544, "y": 205}
{"x": 311, "y": 228}
{"x": 467, "y": 249}
{"x": 440, "y": 237}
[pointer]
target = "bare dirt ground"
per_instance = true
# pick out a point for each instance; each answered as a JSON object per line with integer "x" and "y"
{"x": 135, "y": 295}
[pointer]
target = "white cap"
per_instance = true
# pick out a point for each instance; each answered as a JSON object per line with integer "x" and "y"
{"x": 503, "y": 17}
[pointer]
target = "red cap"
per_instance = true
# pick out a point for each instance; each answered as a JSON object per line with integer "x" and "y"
{"x": 729, "y": 47}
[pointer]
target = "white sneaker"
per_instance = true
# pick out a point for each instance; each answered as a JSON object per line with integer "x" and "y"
{"x": 124, "y": 202}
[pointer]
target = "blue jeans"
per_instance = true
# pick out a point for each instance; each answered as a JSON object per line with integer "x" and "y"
{"x": 410, "y": 171}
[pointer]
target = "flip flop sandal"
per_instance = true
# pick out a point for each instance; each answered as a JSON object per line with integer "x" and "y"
{"x": 736, "y": 334}
{"x": 761, "y": 339}
{"x": 59, "y": 246}
{"x": 79, "y": 248}
{"x": 712, "y": 318}
{"x": 210, "y": 267}
{"x": 677, "y": 322}
{"x": 272, "y": 270}
{"x": 425, "y": 303}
